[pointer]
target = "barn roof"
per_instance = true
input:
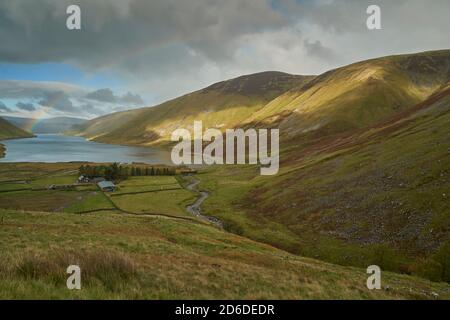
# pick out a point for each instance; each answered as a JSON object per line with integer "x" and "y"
{"x": 106, "y": 184}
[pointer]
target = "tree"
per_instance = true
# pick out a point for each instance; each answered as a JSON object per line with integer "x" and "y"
{"x": 115, "y": 171}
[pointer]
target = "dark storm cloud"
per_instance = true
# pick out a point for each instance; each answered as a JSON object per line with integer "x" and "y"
{"x": 164, "y": 48}
{"x": 25, "y": 106}
{"x": 115, "y": 30}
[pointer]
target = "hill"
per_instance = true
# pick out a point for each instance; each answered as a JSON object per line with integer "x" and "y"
{"x": 224, "y": 104}
{"x": 375, "y": 195}
{"x": 98, "y": 127}
{"x": 364, "y": 161}
{"x": 141, "y": 257}
{"x": 350, "y": 97}
{"x": 9, "y": 131}
{"x": 357, "y": 95}
{"x": 51, "y": 125}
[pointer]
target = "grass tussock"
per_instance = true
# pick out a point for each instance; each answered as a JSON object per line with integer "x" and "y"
{"x": 107, "y": 267}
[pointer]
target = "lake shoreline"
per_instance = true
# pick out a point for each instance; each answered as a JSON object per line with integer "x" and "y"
{"x": 61, "y": 148}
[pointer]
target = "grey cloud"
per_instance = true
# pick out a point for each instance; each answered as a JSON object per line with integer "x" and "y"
{"x": 317, "y": 49}
{"x": 25, "y": 106}
{"x": 169, "y": 47}
{"x": 58, "y": 100}
{"x": 104, "y": 95}
{"x": 107, "y": 95}
{"x": 17, "y": 89}
{"x": 92, "y": 110}
{"x": 117, "y": 29}
{"x": 131, "y": 98}
{"x": 4, "y": 108}
{"x": 62, "y": 98}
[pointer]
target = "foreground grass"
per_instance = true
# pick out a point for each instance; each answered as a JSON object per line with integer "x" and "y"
{"x": 158, "y": 258}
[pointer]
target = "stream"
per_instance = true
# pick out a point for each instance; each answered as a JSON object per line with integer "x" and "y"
{"x": 195, "y": 208}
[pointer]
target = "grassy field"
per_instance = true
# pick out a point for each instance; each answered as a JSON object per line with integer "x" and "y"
{"x": 123, "y": 256}
{"x": 90, "y": 202}
{"x": 24, "y": 186}
{"x": 147, "y": 184}
{"x": 153, "y": 195}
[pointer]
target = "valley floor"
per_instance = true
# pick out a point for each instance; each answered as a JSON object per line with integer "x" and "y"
{"x": 140, "y": 243}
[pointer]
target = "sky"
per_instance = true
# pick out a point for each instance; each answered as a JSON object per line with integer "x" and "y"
{"x": 135, "y": 53}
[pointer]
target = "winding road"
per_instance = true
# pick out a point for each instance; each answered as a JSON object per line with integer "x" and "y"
{"x": 195, "y": 208}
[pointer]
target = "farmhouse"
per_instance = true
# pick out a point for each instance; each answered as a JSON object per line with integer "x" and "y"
{"x": 107, "y": 186}
{"x": 83, "y": 179}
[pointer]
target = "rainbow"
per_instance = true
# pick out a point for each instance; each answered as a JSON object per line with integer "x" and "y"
{"x": 39, "y": 115}
{"x": 36, "y": 117}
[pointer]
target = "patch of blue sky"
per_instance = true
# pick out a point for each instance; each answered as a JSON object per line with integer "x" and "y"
{"x": 61, "y": 72}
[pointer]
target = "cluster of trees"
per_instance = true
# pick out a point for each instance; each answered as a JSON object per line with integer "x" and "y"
{"x": 118, "y": 172}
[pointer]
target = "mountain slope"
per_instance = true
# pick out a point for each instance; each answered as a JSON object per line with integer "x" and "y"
{"x": 101, "y": 126}
{"x": 376, "y": 195}
{"x": 357, "y": 95}
{"x": 138, "y": 257}
{"x": 9, "y": 131}
{"x": 224, "y": 104}
{"x": 364, "y": 164}
{"x": 347, "y": 98}
{"x": 52, "y": 125}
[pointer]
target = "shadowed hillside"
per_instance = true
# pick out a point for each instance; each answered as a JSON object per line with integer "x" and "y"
{"x": 377, "y": 195}
{"x": 9, "y": 131}
{"x": 100, "y": 126}
{"x": 224, "y": 104}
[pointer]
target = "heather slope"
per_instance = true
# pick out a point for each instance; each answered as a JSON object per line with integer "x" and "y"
{"x": 377, "y": 195}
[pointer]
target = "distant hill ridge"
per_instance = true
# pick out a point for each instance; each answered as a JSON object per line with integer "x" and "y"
{"x": 10, "y": 131}
{"x": 346, "y": 98}
{"x": 51, "y": 125}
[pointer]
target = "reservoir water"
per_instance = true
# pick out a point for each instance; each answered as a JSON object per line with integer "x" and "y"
{"x": 60, "y": 148}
